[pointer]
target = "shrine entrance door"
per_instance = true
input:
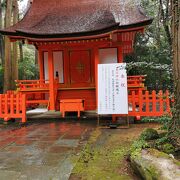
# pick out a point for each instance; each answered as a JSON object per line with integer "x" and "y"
{"x": 80, "y": 67}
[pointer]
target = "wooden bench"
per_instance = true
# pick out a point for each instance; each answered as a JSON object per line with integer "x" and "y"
{"x": 71, "y": 105}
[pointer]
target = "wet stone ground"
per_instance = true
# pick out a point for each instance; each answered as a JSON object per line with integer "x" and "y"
{"x": 41, "y": 150}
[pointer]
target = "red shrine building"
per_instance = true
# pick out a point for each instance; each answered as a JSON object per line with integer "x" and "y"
{"x": 72, "y": 38}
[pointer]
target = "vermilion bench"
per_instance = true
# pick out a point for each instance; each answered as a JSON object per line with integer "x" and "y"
{"x": 71, "y": 105}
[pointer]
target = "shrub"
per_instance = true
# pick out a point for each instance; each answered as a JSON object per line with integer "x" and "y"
{"x": 137, "y": 146}
{"x": 168, "y": 148}
{"x": 164, "y": 120}
{"x": 149, "y": 134}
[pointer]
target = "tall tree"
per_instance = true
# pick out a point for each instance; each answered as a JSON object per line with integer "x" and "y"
{"x": 175, "y": 5}
{"x": 152, "y": 51}
{"x": 15, "y": 13}
{"x": 165, "y": 11}
{"x": 7, "y": 64}
{"x": 1, "y": 37}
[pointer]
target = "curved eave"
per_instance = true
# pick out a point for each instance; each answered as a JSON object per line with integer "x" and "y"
{"x": 20, "y": 33}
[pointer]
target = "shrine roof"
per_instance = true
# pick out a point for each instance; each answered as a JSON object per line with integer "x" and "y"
{"x": 72, "y": 18}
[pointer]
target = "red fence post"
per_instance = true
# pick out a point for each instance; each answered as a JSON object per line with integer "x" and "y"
{"x": 154, "y": 102}
{"x": 140, "y": 101}
{"x": 147, "y": 101}
{"x": 161, "y": 109}
{"x": 133, "y": 102}
{"x": 17, "y": 104}
{"x": 11, "y": 101}
{"x": 12, "y": 106}
{"x": 6, "y": 104}
{"x": 1, "y": 103}
{"x": 167, "y": 102}
{"x": 23, "y": 108}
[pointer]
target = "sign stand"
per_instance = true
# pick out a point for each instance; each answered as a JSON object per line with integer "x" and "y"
{"x": 112, "y": 91}
{"x": 114, "y": 117}
{"x": 114, "y": 126}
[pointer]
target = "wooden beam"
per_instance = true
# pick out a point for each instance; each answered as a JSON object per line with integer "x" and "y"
{"x": 120, "y": 54}
{"x": 96, "y": 62}
{"x": 51, "y": 81}
{"x": 41, "y": 64}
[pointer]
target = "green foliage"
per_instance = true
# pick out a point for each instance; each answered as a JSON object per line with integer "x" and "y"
{"x": 158, "y": 76}
{"x": 149, "y": 134}
{"x": 164, "y": 120}
{"x": 152, "y": 52}
{"x": 168, "y": 148}
{"x": 162, "y": 140}
{"x": 137, "y": 146}
{"x": 163, "y": 134}
{"x": 27, "y": 67}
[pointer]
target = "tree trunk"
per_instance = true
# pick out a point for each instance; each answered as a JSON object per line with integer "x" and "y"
{"x": 15, "y": 47}
{"x": 1, "y": 23}
{"x": 1, "y": 37}
{"x": 165, "y": 19}
{"x": 21, "y": 56}
{"x": 176, "y": 63}
{"x": 7, "y": 64}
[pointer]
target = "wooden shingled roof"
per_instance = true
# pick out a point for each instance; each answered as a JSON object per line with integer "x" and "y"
{"x": 74, "y": 18}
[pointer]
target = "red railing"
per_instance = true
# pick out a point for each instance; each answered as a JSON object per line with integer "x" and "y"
{"x": 13, "y": 106}
{"x": 136, "y": 82}
{"x": 35, "y": 91}
{"x": 149, "y": 104}
{"x": 24, "y": 85}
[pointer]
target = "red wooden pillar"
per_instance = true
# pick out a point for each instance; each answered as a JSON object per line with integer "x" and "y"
{"x": 41, "y": 67}
{"x": 120, "y": 54}
{"x": 51, "y": 81}
{"x": 96, "y": 62}
{"x": 66, "y": 67}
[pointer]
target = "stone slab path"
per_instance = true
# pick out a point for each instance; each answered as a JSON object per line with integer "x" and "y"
{"x": 41, "y": 150}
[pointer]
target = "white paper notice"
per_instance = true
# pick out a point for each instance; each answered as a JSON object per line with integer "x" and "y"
{"x": 112, "y": 89}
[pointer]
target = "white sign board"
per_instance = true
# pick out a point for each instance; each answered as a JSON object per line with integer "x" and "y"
{"x": 112, "y": 89}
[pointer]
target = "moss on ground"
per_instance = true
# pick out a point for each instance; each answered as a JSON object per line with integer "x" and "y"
{"x": 107, "y": 161}
{"x": 148, "y": 168}
{"x": 106, "y": 154}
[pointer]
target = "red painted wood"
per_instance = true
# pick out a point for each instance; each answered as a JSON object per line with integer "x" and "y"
{"x": 41, "y": 64}
{"x": 161, "y": 101}
{"x": 66, "y": 68}
{"x": 87, "y": 95}
{"x": 80, "y": 69}
{"x": 154, "y": 101}
{"x": 168, "y": 109}
{"x": 120, "y": 54}
{"x": 51, "y": 81}
{"x": 149, "y": 100}
{"x": 68, "y": 105}
{"x": 13, "y": 106}
{"x": 96, "y": 58}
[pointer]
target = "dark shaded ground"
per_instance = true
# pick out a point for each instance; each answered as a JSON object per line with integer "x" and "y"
{"x": 41, "y": 150}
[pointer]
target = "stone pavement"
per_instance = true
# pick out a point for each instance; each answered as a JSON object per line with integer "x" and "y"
{"x": 42, "y": 150}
